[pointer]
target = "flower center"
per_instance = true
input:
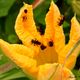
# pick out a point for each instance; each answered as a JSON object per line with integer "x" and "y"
{"x": 47, "y": 54}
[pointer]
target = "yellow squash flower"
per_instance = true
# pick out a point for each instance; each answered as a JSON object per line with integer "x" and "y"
{"x": 42, "y": 55}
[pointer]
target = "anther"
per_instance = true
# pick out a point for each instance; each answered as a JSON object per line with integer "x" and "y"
{"x": 25, "y": 10}
{"x": 42, "y": 47}
{"x": 50, "y": 43}
{"x": 24, "y": 18}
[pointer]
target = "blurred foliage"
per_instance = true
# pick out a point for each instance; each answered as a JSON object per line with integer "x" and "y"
{"x": 5, "y": 6}
{"x": 9, "y": 10}
{"x": 77, "y": 74}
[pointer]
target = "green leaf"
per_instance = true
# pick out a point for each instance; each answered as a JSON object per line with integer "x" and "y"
{"x": 3, "y": 58}
{"x": 13, "y": 38}
{"x": 55, "y": 0}
{"x": 10, "y": 23}
{"x": 68, "y": 2}
{"x": 76, "y": 6}
{"x": 12, "y": 74}
{"x": 66, "y": 27}
{"x": 40, "y": 12}
{"x": 76, "y": 73}
{"x": 66, "y": 24}
{"x": 0, "y": 28}
{"x": 5, "y": 5}
{"x": 0, "y": 31}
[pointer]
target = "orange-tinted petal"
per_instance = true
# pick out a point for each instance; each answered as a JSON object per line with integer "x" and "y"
{"x": 53, "y": 30}
{"x": 54, "y": 72}
{"x": 18, "y": 48}
{"x": 75, "y": 30}
{"x": 25, "y": 26}
{"x": 46, "y": 70}
{"x": 74, "y": 37}
{"x": 59, "y": 39}
{"x": 23, "y": 50}
{"x": 49, "y": 31}
{"x": 18, "y": 55}
{"x": 49, "y": 55}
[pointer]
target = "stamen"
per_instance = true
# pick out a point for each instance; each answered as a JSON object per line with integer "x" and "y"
{"x": 25, "y": 10}
{"x": 50, "y": 43}
{"x": 24, "y": 18}
{"x": 42, "y": 47}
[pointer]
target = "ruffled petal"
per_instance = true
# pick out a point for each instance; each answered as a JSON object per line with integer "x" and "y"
{"x": 59, "y": 39}
{"x": 54, "y": 72}
{"x": 18, "y": 55}
{"x": 74, "y": 37}
{"x": 25, "y": 26}
{"x": 75, "y": 30}
{"x": 49, "y": 31}
{"x": 53, "y": 30}
{"x": 18, "y": 48}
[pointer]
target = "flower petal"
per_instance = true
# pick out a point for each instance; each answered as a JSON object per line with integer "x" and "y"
{"x": 18, "y": 55}
{"x": 49, "y": 55}
{"x": 59, "y": 39}
{"x": 25, "y": 26}
{"x": 54, "y": 72}
{"x": 53, "y": 30}
{"x": 23, "y": 50}
{"x": 74, "y": 37}
{"x": 18, "y": 48}
{"x": 75, "y": 30}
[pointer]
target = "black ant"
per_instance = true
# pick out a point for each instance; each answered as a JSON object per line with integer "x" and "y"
{"x": 61, "y": 20}
{"x": 35, "y": 42}
{"x": 41, "y": 29}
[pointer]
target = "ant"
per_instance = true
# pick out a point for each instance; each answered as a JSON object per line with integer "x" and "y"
{"x": 61, "y": 20}
{"x": 35, "y": 42}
